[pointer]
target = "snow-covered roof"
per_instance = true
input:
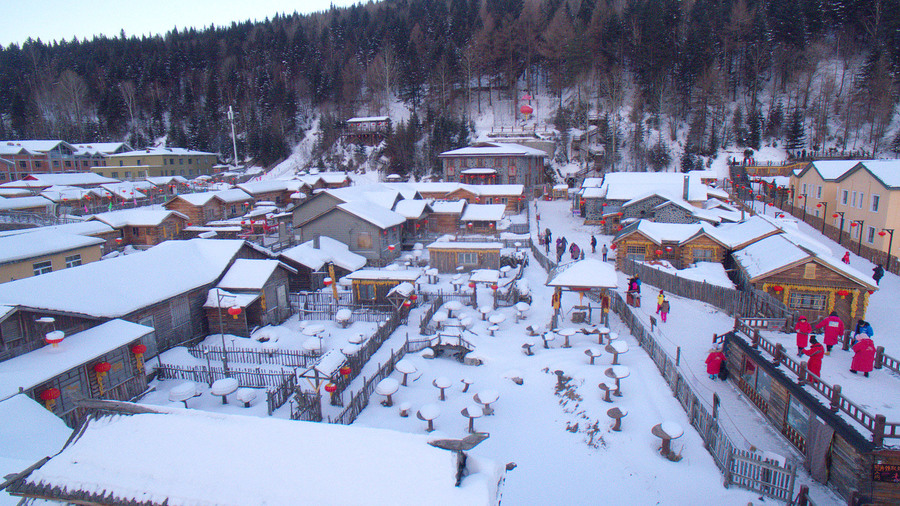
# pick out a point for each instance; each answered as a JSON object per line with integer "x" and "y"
{"x": 478, "y": 171}
{"x": 376, "y": 215}
{"x": 829, "y": 170}
{"x": 383, "y": 274}
{"x": 15, "y": 192}
{"x": 164, "y": 151}
{"x": 225, "y": 299}
{"x": 668, "y": 232}
{"x": 330, "y": 250}
{"x": 33, "y": 368}
{"x": 412, "y": 209}
{"x": 587, "y": 273}
{"x": 34, "y": 146}
{"x": 494, "y": 149}
{"x": 24, "y": 203}
{"x": 368, "y": 119}
{"x": 448, "y": 207}
{"x": 735, "y": 235}
{"x": 118, "y": 286}
{"x": 266, "y": 186}
{"x": 465, "y": 245}
{"x": 62, "y": 193}
{"x": 103, "y": 148}
{"x": 592, "y": 182}
{"x": 166, "y": 180}
{"x": 227, "y": 196}
{"x": 77, "y": 228}
{"x": 28, "y": 433}
{"x": 247, "y": 274}
{"x": 483, "y": 212}
{"x": 250, "y": 460}
{"x": 333, "y": 177}
{"x": 886, "y": 171}
{"x": 484, "y": 276}
{"x": 62, "y": 179}
{"x": 628, "y": 185}
{"x": 136, "y": 217}
{"x": 18, "y": 247}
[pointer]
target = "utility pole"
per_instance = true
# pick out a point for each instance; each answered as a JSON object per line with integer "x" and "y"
{"x": 233, "y": 138}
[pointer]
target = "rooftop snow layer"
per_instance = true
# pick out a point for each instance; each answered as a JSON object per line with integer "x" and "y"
{"x": 448, "y": 207}
{"x": 587, "y": 273}
{"x": 136, "y": 217}
{"x": 374, "y": 214}
{"x": 37, "y": 244}
{"x": 246, "y": 274}
{"x": 24, "y": 203}
{"x": 829, "y": 170}
{"x": 483, "y": 212}
{"x": 494, "y": 149}
{"x": 64, "y": 179}
{"x": 628, "y": 185}
{"x": 464, "y": 245}
{"x": 887, "y": 171}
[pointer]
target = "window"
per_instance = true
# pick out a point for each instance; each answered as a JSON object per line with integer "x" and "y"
{"x": 138, "y": 162}
{"x": 798, "y": 417}
{"x": 181, "y": 161}
{"x": 853, "y": 200}
{"x": 56, "y": 163}
{"x": 861, "y": 199}
{"x": 816, "y": 302}
{"x": 190, "y": 161}
{"x": 165, "y": 161}
{"x": 121, "y": 163}
{"x": 68, "y": 163}
{"x": 467, "y": 258}
{"x": 819, "y": 192}
{"x": 127, "y": 173}
{"x": 37, "y": 164}
{"x": 171, "y": 161}
{"x": 22, "y": 164}
{"x": 635, "y": 253}
{"x": 190, "y": 172}
{"x": 115, "y": 175}
{"x": 365, "y": 292}
{"x": 135, "y": 231}
{"x": 42, "y": 267}
{"x": 703, "y": 255}
{"x": 73, "y": 261}
{"x": 364, "y": 241}
{"x": 875, "y": 201}
{"x": 809, "y": 271}
{"x": 870, "y": 237}
{"x": 804, "y": 189}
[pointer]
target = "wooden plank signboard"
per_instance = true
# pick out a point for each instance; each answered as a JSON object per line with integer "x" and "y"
{"x": 886, "y": 473}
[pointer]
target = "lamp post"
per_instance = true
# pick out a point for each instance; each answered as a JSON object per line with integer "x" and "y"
{"x": 803, "y": 198}
{"x": 219, "y": 297}
{"x": 841, "y": 229}
{"x": 887, "y": 262}
{"x": 860, "y": 223}
{"x": 824, "y": 205}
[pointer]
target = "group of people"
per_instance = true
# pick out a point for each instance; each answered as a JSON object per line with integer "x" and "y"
{"x": 562, "y": 244}
{"x": 833, "y": 329}
{"x": 877, "y": 271}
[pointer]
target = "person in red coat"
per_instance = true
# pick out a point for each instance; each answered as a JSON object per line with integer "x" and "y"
{"x": 815, "y": 352}
{"x": 834, "y": 330}
{"x": 714, "y": 363}
{"x": 803, "y": 329}
{"x": 863, "y": 356}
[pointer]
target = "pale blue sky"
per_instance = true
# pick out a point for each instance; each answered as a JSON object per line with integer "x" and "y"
{"x": 62, "y": 19}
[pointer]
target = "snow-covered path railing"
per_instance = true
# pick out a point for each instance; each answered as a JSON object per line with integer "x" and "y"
{"x": 876, "y": 424}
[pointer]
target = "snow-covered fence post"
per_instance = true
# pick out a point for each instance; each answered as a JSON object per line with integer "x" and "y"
{"x": 878, "y": 430}
{"x": 879, "y": 357}
{"x": 779, "y": 355}
{"x": 801, "y": 376}
{"x": 755, "y": 344}
{"x": 677, "y": 356}
{"x": 715, "y": 413}
{"x": 835, "y": 398}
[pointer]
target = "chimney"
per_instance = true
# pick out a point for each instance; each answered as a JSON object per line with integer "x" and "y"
{"x": 316, "y": 242}
{"x": 687, "y": 183}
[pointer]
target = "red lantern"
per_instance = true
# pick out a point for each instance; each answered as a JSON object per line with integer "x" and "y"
{"x": 139, "y": 350}
{"x": 243, "y": 222}
{"x": 494, "y": 287}
{"x": 118, "y": 240}
{"x": 330, "y": 388}
{"x": 781, "y": 215}
{"x": 54, "y": 337}
{"x": 526, "y": 109}
{"x": 882, "y": 233}
{"x": 345, "y": 371}
{"x": 620, "y": 227}
{"x": 842, "y": 293}
{"x": 853, "y": 224}
{"x": 800, "y": 197}
{"x": 100, "y": 369}
{"x": 472, "y": 285}
{"x": 49, "y": 397}
{"x": 771, "y": 204}
{"x": 871, "y": 292}
{"x": 668, "y": 248}
{"x": 190, "y": 224}
{"x": 413, "y": 297}
{"x": 326, "y": 281}
{"x": 407, "y": 303}
{"x": 612, "y": 246}
{"x": 819, "y": 205}
{"x": 469, "y": 224}
{"x": 391, "y": 247}
{"x": 778, "y": 288}
{"x": 603, "y": 222}
{"x": 234, "y": 311}
{"x": 659, "y": 252}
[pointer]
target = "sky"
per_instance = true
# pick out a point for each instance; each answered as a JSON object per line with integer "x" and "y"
{"x": 63, "y": 19}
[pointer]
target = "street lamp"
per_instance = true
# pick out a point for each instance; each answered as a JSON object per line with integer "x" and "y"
{"x": 219, "y": 297}
{"x": 887, "y": 262}
{"x": 841, "y": 229}
{"x": 824, "y": 213}
{"x": 803, "y": 198}
{"x": 860, "y": 223}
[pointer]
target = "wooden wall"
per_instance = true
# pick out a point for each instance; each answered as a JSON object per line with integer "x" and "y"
{"x": 446, "y": 260}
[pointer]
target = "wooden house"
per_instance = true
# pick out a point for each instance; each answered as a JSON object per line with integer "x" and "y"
{"x": 482, "y": 218}
{"x": 37, "y": 205}
{"x": 258, "y": 288}
{"x": 446, "y": 216}
{"x": 314, "y": 259}
{"x": 617, "y": 188}
{"x": 372, "y": 286}
{"x": 272, "y": 190}
{"x": 99, "y": 362}
{"x": 807, "y": 280}
{"x": 369, "y": 230}
{"x": 446, "y": 256}
{"x": 170, "y": 185}
{"x": 495, "y": 163}
{"x": 857, "y": 466}
{"x": 678, "y": 244}
{"x": 416, "y": 212}
{"x": 210, "y": 206}
{"x": 35, "y": 253}
{"x": 367, "y": 130}
{"x": 144, "y": 227}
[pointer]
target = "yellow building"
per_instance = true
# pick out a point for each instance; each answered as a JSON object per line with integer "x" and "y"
{"x": 157, "y": 162}
{"x": 869, "y": 196}
{"x": 35, "y": 253}
{"x": 816, "y": 184}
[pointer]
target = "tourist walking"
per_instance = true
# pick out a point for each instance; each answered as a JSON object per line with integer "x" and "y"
{"x": 863, "y": 356}
{"x": 834, "y": 330}
{"x": 659, "y": 300}
{"x": 862, "y": 328}
{"x": 605, "y": 251}
{"x": 548, "y": 235}
{"x": 594, "y": 245}
{"x": 714, "y": 362}
{"x": 878, "y": 273}
{"x": 815, "y": 353}
{"x": 846, "y": 258}
{"x": 664, "y": 309}
{"x": 574, "y": 251}
{"x": 803, "y": 328}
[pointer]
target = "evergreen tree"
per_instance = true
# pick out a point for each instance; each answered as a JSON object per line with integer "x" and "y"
{"x": 754, "y": 120}
{"x": 795, "y": 138}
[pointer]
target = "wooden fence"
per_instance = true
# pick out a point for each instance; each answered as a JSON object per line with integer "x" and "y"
{"x": 736, "y": 302}
{"x": 286, "y": 358}
{"x": 208, "y": 374}
{"x": 323, "y": 306}
{"x": 277, "y": 396}
{"x": 741, "y": 468}
{"x": 877, "y": 425}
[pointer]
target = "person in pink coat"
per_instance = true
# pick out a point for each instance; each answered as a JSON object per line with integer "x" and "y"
{"x": 714, "y": 363}
{"x": 803, "y": 329}
{"x": 815, "y": 352}
{"x": 863, "y": 356}
{"x": 834, "y": 330}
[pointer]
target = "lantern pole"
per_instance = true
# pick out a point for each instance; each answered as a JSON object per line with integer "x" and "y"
{"x": 824, "y": 204}
{"x": 840, "y": 230}
{"x": 860, "y": 223}
{"x": 887, "y": 261}
{"x": 219, "y": 297}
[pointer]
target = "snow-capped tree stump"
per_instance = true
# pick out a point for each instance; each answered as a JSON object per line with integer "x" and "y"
{"x": 547, "y": 337}
{"x": 593, "y": 353}
{"x": 467, "y": 382}
{"x": 617, "y": 372}
{"x": 406, "y": 368}
{"x": 428, "y": 413}
{"x": 617, "y": 414}
{"x": 617, "y": 348}
{"x": 246, "y": 395}
{"x": 492, "y": 329}
{"x": 529, "y": 343}
{"x": 566, "y": 333}
{"x": 471, "y": 412}
{"x": 486, "y": 398}
{"x": 484, "y": 310}
{"x": 442, "y": 383}
{"x": 223, "y": 387}
{"x": 667, "y": 431}
{"x": 182, "y": 392}
{"x": 387, "y": 387}
{"x": 404, "y": 409}
{"x": 521, "y": 309}
{"x": 601, "y": 333}
{"x": 606, "y": 391}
